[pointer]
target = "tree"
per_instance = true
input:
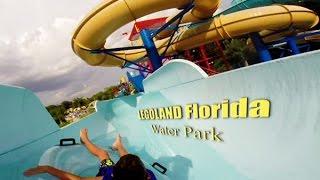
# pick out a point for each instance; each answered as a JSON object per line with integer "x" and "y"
{"x": 78, "y": 102}
{"x": 58, "y": 112}
{"x": 239, "y": 54}
{"x": 66, "y": 104}
{"x": 98, "y": 96}
{"x": 109, "y": 93}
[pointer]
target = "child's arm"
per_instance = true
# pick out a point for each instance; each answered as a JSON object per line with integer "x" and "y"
{"x": 57, "y": 173}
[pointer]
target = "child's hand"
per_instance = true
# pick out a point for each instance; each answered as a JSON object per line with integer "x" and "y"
{"x": 35, "y": 171}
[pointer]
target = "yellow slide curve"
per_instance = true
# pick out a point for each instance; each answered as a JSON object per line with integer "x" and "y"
{"x": 110, "y": 15}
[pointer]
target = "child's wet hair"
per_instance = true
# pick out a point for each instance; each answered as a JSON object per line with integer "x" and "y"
{"x": 129, "y": 167}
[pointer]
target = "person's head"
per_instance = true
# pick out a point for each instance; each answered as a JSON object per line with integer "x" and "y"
{"x": 129, "y": 167}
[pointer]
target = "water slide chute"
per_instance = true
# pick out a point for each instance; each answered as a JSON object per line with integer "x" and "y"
{"x": 203, "y": 9}
{"x": 91, "y": 34}
{"x": 289, "y": 137}
{"x": 274, "y": 148}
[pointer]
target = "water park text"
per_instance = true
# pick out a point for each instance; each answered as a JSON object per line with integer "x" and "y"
{"x": 259, "y": 108}
{"x": 189, "y": 132}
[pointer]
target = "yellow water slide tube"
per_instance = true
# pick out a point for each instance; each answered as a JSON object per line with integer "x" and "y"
{"x": 203, "y": 9}
{"x": 112, "y": 14}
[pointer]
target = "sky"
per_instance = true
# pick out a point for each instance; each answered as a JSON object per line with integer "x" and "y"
{"x": 35, "y": 49}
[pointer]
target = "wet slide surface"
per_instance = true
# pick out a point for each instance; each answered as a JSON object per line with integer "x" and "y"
{"x": 283, "y": 146}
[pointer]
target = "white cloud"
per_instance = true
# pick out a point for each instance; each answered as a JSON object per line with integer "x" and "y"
{"x": 42, "y": 60}
{"x": 35, "y": 50}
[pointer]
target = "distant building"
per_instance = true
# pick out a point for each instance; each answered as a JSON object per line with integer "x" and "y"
{"x": 74, "y": 114}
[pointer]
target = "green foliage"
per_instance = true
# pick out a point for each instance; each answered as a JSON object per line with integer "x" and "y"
{"x": 64, "y": 123}
{"x": 219, "y": 65}
{"x": 66, "y": 104}
{"x": 79, "y": 102}
{"x": 239, "y": 53}
{"x": 108, "y": 93}
{"x": 58, "y": 112}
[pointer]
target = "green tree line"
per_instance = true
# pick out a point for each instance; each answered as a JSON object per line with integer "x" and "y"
{"x": 58, "y": 112}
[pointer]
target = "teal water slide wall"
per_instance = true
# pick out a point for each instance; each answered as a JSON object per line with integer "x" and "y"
{"x": 28, "y": 130}
{"x": 284, "y": 146}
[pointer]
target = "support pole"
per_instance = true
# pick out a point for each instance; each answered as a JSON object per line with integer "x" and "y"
{"x": 188, "y": 55}
{"x": 205, "y": 57}
{"x": 136, "y": 81}
{"x": 152, "y": 51}
{"x": 261, "y": 48}
{"x": 292, "y": 43}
